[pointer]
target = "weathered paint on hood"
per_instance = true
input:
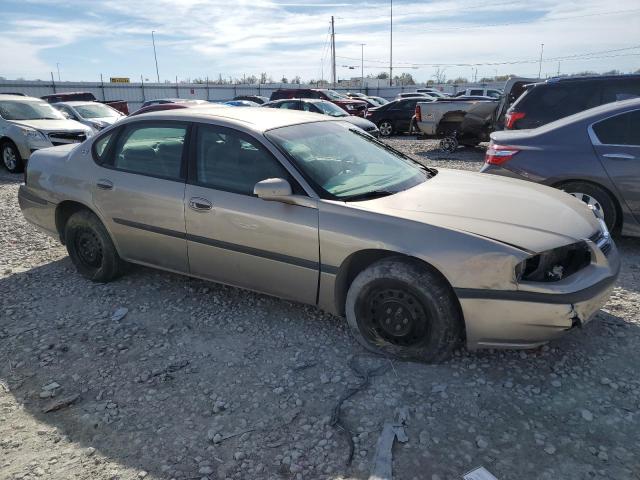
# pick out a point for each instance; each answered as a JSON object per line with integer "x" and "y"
{"x": 53, "y": 125}
{"x": 526, "y": 215}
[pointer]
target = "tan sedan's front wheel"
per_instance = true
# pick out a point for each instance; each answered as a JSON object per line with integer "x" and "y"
{"x": 400, "y": 308}
{"x": 90, "y": 247}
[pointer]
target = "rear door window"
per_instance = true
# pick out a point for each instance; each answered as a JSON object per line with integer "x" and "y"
{"x": 476, "y": 92}
{"x": 409, "y": 104}
{"x": 622, "y": 129}
{"x": 153, "y": 149}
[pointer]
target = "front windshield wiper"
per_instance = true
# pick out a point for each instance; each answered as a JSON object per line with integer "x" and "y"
{"x": 429, "y": 171}
{"x": 368, "y": 195}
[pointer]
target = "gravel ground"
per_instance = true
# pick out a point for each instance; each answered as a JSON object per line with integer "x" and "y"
{"x": 201, "y": 381}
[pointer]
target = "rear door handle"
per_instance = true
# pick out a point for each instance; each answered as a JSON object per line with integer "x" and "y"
{"x": 200, "y": 204}
{"x": 621, "y": 156}
{"x": 104, "y": 184}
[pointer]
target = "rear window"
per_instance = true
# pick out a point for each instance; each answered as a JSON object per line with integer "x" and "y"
{"x": 551, "y": 102}
{"x": 617, "y": 90}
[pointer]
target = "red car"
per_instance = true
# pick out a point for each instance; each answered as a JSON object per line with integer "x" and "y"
{"x": 353, "y": 107}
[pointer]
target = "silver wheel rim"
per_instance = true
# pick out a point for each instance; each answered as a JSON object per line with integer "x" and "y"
{"x": 385, "y": 129}
{"x": 9, "y": 157}
{"x": 589, "y": 200}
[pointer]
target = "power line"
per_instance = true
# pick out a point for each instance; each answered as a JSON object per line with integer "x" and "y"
{"x": 580, "y": 56}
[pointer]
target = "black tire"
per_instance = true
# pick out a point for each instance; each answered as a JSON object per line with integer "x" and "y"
{"x": 427, "y": 323}
{"x": 607, "y": 206}
{"x": 90, "y": 247}
{"x": 386, "y": 128}
{"x": 10, "y": 156}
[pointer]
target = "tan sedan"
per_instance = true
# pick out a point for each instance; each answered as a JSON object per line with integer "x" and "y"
{"x": 311, "y": 209}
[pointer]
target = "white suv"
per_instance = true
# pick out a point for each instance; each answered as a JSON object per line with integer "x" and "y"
{"x": 28, "y": 124}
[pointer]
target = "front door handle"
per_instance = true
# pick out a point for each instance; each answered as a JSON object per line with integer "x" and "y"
{"x": 200, "y": 204}
{"x": 621, "y": 156}
{"x": 104, "y": 184}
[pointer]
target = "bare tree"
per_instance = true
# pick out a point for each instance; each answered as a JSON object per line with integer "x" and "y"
{"x": 439, "y": 76}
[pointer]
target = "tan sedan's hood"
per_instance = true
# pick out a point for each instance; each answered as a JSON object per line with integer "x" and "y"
{"x": 527, "y": 215}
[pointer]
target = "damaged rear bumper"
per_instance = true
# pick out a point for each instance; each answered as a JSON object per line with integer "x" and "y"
{"x": 535, "y": 314}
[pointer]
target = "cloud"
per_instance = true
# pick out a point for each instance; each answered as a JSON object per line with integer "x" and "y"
{"x": 207, "y": 37}
{"x": 21, "y": 60}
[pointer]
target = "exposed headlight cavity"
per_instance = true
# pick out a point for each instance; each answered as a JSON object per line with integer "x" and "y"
{"x": 555, "y": 264}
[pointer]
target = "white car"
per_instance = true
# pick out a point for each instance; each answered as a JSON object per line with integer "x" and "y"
{"x": 93, "y": 114}
{"x": 480, "y": 92}
{"x": 433, "y": 92}
{"x": 28, "y": 124}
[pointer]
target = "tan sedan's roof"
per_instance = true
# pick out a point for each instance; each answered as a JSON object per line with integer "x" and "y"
{"x": 258, "y": 117}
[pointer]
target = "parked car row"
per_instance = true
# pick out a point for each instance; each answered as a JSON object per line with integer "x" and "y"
{"x": 324, "y": 107}
{"x": 525, "y": 104}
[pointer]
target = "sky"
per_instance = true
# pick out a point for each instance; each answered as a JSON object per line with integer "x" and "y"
{"x": 232, "y": 38}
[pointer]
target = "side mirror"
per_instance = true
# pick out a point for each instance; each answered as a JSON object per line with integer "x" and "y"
{"x": 272, "y": 189}
{"x": 65, "y": 114}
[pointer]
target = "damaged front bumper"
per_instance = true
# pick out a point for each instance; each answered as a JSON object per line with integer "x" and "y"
{"x": 539, "y": 311}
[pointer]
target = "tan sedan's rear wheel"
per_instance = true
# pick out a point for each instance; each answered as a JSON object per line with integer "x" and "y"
{"x": 90, "y": 247}
{"x": 400, "y": 308}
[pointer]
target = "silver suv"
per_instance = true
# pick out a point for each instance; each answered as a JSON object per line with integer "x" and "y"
{"x": 28, "y": 124}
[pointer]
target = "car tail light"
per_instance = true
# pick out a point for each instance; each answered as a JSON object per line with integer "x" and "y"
{"x": 499, "y": 154}
{"x": 511, "y": 118}
{"x": 418, "y": 114}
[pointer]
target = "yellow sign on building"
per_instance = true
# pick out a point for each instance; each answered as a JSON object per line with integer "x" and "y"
{"x": 119, "y": 80}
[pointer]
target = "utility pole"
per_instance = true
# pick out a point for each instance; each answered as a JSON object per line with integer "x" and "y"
{"x": 362, "y": 65}
{"x": 322, "y": 70}
{"x": 540, "y": 63}
{"x": 558, "y": 68}
{"x": 58, "y": 67}
{"x": 153, "y": 39}
{"x": 333, "y": 54}
{"x": 391, "y": 46}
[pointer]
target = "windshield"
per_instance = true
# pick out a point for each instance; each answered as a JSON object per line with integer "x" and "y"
{"x": 346, "y": 164}
{"x": 380, "y": 100}
{"x": 333, "y": 95}
{"x": 28, "y": 110}
{"x": 332, "y": 109}
{"x": 95, "y": 110}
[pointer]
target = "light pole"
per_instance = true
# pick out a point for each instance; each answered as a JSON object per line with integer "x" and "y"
{"x": 391, "y": 46}
{"x": 362, "y": 65}
{"x": 58, "y": 67}
{"x": 540, "y": 63}
{"x": 153, "y": 40}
